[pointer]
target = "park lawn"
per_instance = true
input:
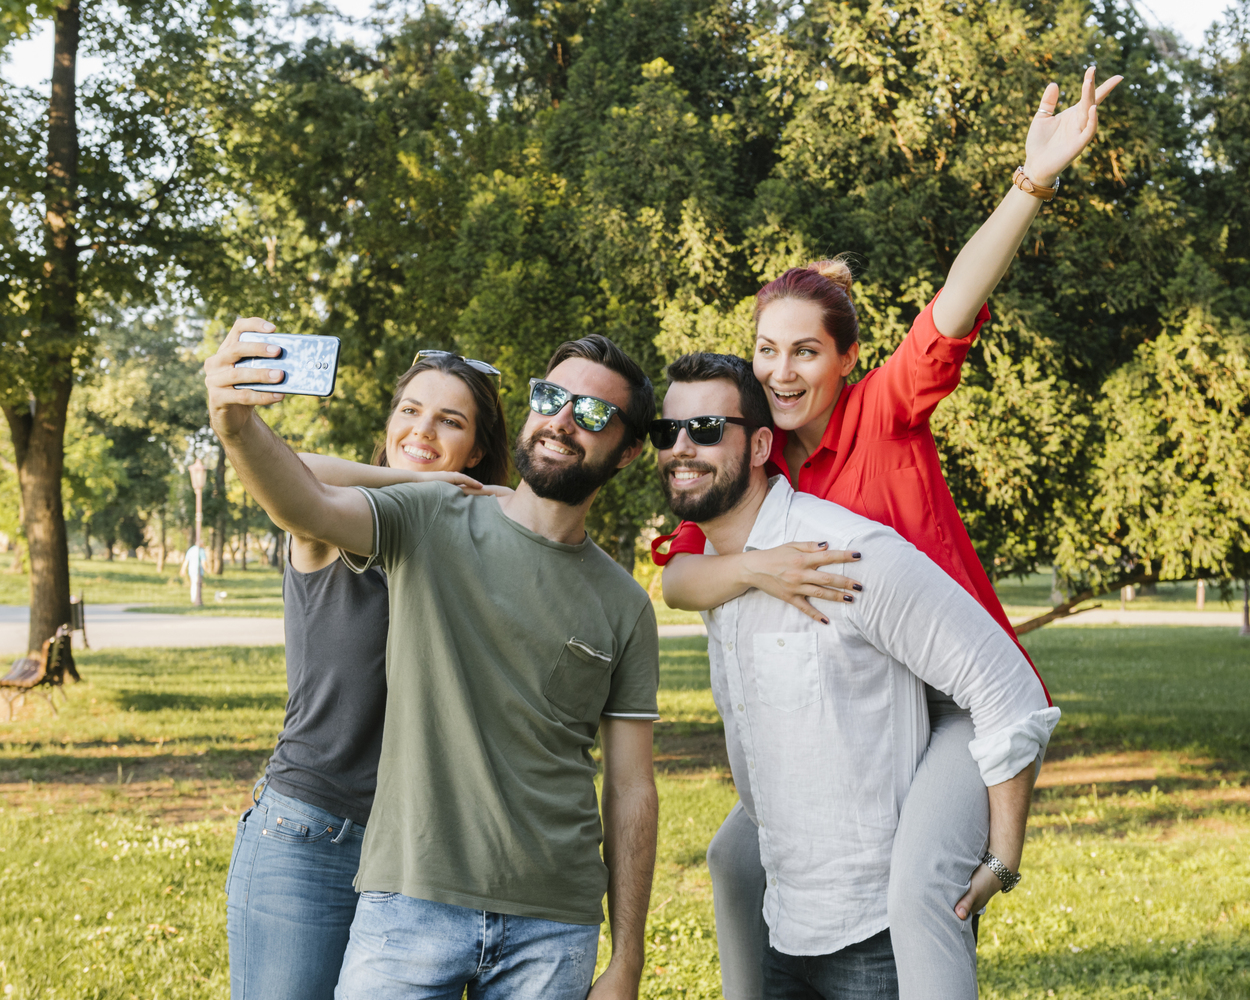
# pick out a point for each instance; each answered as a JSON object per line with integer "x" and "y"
{"x": 118, "y": 815}
{"x": 1031, "y": 596}
{"x": 256, "y": 591}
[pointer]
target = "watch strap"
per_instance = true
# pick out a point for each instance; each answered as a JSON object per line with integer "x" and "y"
{"x": 1006, "y": 876}
{"x": 1021, "y": 180}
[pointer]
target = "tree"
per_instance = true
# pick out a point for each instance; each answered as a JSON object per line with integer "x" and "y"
{"x": 111, "y": 210}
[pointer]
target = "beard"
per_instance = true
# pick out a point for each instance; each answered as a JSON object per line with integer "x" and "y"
{"x": 566, "y": 484}
{"x": 728, "y": 486}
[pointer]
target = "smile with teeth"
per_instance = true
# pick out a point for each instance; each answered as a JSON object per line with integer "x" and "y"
{"x": 684, "y": 477}
{"x": 556, "y": 447}
{"x": 788, "y": 395}
{"x": 419, "y": 453}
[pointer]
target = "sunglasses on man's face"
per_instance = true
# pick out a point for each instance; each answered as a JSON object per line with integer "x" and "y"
{"x": 473, "y": 363}
{"x": 589, "y": 412}
{"x": 703, "y": 431}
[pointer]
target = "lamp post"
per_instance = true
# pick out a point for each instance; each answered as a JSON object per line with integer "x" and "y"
{"x": 199, "y": 477}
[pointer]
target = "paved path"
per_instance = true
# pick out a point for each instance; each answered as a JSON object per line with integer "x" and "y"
{"x": 111, "y": 626}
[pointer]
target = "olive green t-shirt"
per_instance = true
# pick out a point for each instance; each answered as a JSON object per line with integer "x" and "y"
{"x": 505, "y": 649}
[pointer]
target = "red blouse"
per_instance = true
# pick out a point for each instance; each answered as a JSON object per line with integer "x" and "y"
{"x": 878, "y": 458}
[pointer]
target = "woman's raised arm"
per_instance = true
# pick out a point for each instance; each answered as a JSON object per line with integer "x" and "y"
{"x": 1053, "y": 142}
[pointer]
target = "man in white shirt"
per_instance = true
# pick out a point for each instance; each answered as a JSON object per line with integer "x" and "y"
{"x": 826, "y": 724}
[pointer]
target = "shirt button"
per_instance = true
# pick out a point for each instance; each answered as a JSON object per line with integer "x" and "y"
{"x": 781, "y": 642}
{"x": 751, "y": 762}
{"x": 772, "y": 881}
{"x": 807, "y": 465}
{"x": 729, "y": 646}
{"x": 741, "y": 707}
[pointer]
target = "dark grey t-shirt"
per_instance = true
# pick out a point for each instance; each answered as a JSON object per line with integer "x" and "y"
{"x": 336, "y": 625}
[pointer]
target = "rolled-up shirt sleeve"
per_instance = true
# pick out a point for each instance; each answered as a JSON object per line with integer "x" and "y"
{"x": 911, "y": 610}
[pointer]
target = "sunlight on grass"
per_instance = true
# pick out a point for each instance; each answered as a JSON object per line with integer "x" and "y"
{"x": 130, "y": 581}
{"x": 1137, "y": 880}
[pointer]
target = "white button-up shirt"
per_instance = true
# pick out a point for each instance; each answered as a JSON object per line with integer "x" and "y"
{"x": 826, "y": 724}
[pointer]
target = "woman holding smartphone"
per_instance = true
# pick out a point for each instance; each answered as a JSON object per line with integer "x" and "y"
{"x": 868, "y": 447}
{"x": 289, "y": 894}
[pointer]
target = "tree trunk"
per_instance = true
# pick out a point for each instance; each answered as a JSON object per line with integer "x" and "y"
{"x": 160, "y": 552}
{"x": 86, "y": 542}
{"x": 219, "y": 531}
{"x": 1245, "y": 607}
{"x": 38, "y": 430}
{"x": 108, "y": 547}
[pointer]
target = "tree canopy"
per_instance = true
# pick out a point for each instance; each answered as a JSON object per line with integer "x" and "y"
{"x": 496, "y": 180}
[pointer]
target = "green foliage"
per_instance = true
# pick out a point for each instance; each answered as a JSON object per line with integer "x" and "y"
{"x": 1172, "y": 480}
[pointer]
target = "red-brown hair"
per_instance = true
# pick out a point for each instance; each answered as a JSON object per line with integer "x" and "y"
{"x": 828, "y": 284}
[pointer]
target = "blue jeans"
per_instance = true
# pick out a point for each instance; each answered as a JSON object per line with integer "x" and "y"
{"x": 289, "y": 899}
{"x": 421, "y": 950}
{"x": 861, "y": 971}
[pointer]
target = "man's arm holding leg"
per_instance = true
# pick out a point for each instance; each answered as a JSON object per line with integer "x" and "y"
{"x": 630, "y": 820}
{"x": 1009, "y": 814}
{"x": 269, "y": 470}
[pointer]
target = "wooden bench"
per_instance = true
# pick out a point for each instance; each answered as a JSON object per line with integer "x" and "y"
{"x": 43, "y": 672}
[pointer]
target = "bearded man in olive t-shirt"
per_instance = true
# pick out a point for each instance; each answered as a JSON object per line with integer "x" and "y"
{"x": 514, "y": 640}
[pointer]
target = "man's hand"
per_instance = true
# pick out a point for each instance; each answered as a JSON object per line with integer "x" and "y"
{"x": 984, "y": 884}
{"x": 792, "y": 573}
{"x": 229, "y": 409}
{"x": 1054, "y": 141}
{"x": 616, "y": 983}
{"x": 1009, "y": 815}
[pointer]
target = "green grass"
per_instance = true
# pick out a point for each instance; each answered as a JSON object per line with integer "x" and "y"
{"x": 1137, "y": 881}
{"x": 253, "y": 593}
{"x": 256, "y": 591}
{"x": 1032, "y": 596}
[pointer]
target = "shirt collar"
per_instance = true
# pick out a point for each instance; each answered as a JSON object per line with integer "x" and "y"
{"x": 769, "y": 529}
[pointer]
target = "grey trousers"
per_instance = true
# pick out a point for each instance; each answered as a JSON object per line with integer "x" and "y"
{"x": 943, "y": 829}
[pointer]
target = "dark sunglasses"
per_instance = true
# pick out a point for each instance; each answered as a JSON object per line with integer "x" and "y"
{"x": 589, "y": 412}
{"x": 703, "y": 431}
{"x": 473, "y": 363}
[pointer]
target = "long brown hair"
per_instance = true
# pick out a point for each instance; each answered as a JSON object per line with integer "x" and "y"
{"x": 490, "y": 431}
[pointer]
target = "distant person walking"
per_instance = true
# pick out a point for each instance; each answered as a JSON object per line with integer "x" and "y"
{"x": 194, "y": 565}
{"x": 290, "y": 899}
{"x": 515, "y": 641}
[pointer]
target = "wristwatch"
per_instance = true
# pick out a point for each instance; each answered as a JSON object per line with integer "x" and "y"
{"x": 1026, "y": 184}
{"x": 1006, "y": 876}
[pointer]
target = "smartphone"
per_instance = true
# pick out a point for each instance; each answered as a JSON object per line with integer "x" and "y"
{"x": 311, "y": 363}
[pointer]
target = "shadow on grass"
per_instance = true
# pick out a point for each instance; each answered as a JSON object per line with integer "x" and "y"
{"x": 68, "y": 769}
{"x": 156, "y": 701}
{"x": 1156, "y": 688}
{"x": 683, "y": 664}
{"x": 1198, "y": 968}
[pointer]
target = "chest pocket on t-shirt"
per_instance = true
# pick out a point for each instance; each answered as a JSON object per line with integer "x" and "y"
{"x": 787, "y": 669}
{"x": 579, "y": 681}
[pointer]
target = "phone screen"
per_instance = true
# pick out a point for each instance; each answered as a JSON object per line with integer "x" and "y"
{"x": 311, "y": 363}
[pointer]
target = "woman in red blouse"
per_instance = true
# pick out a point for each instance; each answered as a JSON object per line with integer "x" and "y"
{"x": 868, "y": 447}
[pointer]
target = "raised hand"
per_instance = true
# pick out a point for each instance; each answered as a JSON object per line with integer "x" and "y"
{"x": 229, "y": 409}
{"x": 1055, "y": 140}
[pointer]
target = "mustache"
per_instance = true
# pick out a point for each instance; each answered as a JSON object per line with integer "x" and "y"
{"x": 560, "y": 439}
{"x": 668, "y": 467}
